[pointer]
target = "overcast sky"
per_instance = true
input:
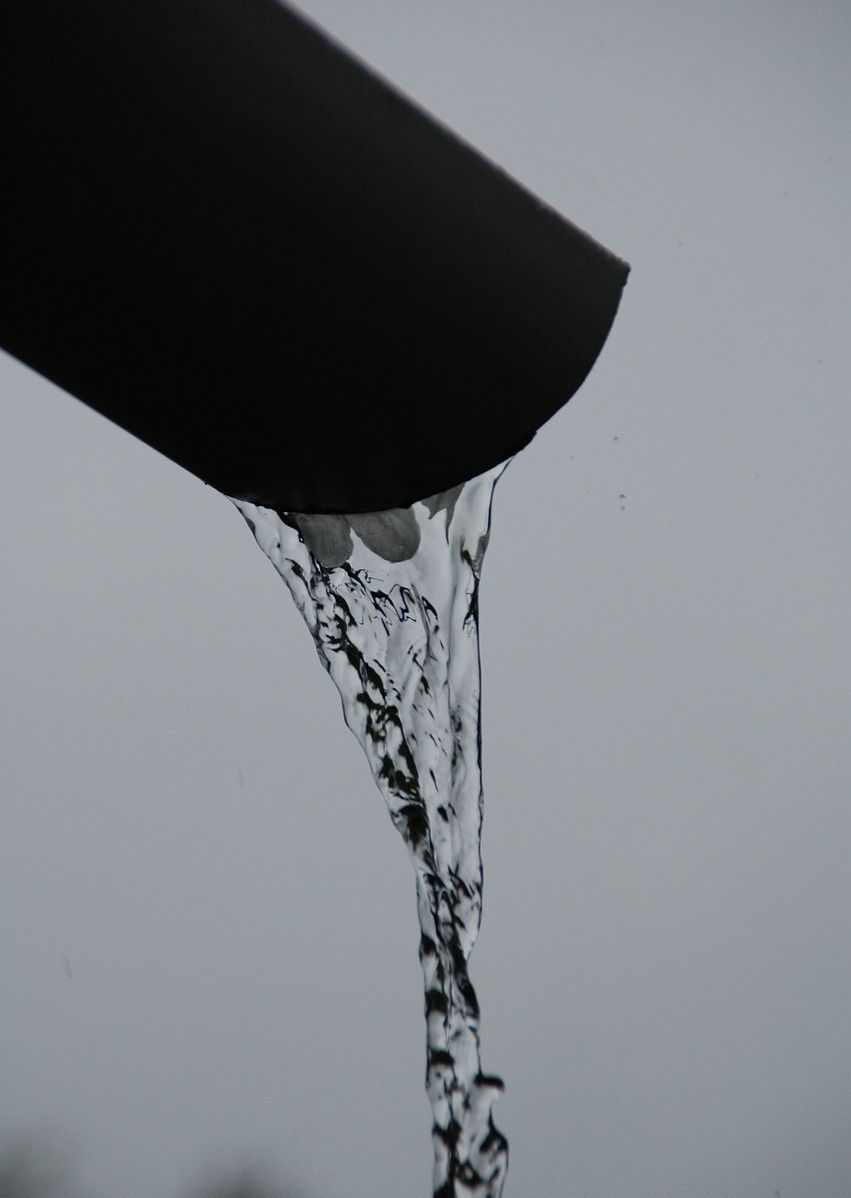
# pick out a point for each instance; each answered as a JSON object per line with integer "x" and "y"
{"x": 207, "y": 922}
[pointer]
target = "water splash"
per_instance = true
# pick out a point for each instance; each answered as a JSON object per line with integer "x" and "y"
{"x": 391, "y": 601}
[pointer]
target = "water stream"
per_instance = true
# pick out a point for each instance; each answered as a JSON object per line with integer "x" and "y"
{"x": 391, "y": 601}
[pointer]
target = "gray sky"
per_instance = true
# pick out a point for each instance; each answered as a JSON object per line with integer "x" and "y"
{"x": 207, "y": 922}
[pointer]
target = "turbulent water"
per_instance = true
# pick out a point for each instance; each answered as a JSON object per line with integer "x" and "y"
{"x": 391, "y": 601}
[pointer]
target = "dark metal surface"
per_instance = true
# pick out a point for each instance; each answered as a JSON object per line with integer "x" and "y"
{"x": 228, "y": 236}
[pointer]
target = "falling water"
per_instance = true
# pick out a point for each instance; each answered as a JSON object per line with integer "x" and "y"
{"x": 391, "y": 601}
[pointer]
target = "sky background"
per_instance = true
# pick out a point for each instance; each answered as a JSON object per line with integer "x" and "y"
{"x": 207, "y": 922}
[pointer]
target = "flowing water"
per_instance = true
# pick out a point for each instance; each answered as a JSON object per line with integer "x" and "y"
{"x": 391, "y": 601}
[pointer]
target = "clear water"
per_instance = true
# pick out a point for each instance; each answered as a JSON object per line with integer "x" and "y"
{"x": 391, "y": 601}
